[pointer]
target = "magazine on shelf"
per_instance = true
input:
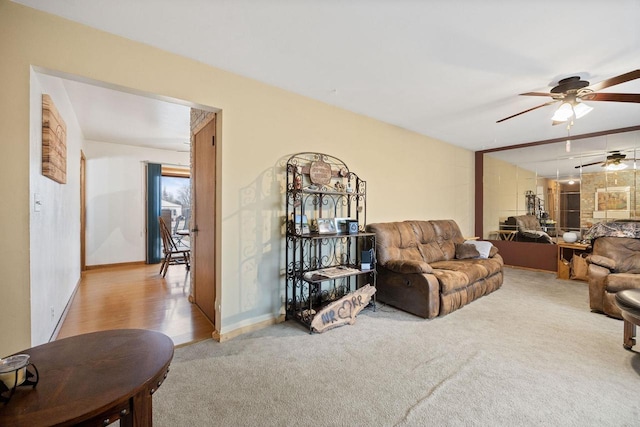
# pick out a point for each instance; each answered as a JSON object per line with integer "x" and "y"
{"x": 332, "y": 272}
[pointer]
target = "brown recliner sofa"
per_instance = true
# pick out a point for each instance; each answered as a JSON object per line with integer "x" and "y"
{"x": 614, "y": 265}
{"x": 418, "y": 271}
{"x": 529, "y": 229}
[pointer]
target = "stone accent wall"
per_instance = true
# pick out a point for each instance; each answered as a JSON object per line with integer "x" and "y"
{"x": 199, "y": 118}
{"x": 591, "y": 182}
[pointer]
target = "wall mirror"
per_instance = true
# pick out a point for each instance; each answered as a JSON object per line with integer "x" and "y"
{"x": 561, "y": 186}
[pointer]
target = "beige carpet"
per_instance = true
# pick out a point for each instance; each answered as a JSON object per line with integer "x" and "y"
{"x": 529, "y": 354}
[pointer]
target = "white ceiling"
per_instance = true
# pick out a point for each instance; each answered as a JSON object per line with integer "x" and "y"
{"x": 446, "y": 69}
{"x": 119, "y": 117}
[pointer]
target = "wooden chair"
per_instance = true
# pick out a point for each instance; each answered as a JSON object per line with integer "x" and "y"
{"x": 180, "y": 231}
{"x": 173, "y": 253}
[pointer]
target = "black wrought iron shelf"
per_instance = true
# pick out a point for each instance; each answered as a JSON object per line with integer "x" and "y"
{"x": 317, "y": 235}
{"x": 331, "y": 193}
{"x": 317, "y": 276}
{"x": 320, "y": 186}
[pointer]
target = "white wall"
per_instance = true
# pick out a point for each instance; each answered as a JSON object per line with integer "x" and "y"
{"x": 116, "y": 208}
{"x": 55, "y": 229}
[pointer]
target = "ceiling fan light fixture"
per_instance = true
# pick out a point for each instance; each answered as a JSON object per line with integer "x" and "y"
{"x": 616, "y": 166}
{"x": 581, "y": 109}
{"x": 563, "y": 113}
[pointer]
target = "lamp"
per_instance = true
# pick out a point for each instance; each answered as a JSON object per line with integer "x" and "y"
{"x": 571, "y": 108}
{"x": 581, "y": 109}
{"x": 616, "y": 166}
{"x": 563, "y": 113}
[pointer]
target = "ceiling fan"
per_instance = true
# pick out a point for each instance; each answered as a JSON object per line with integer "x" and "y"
{"x": 571, "y": 91}
{"x": 612, "y": 162}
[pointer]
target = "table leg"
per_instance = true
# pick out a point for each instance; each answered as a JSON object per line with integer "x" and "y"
{"x": 126, "y": 420}
{"x": 141, "y": 414}
{"x": 629, "y": 335}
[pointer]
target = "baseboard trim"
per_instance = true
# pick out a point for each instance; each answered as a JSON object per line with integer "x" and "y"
{"x": 120, "y": 264}
{"x": 246, "y": 329}
{"x": 63, "y": 316}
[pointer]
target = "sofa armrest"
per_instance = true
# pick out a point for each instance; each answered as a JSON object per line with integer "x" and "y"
{"x": 493, "y": 252}
{"x": 602, "y": 261}
{"x": 597, "y": 283}
{"x": 407, "y": 266}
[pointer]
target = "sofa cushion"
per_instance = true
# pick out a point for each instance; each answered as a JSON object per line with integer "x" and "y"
{"x": 527, "y": 223}
{"x": 630, "y": 263}
{"x": 427, "y": 240}
{"x": 457, "y": 274}
{"x": 621, "y": 281}
{"x": 437, "y": 239}
{"x": 466, "y": 251}
{"x": 624, "y": 251}
{"x": 451, "y": 280}
{"x": 408, "y": 266}
{"x": 395, "y": 241}
{"x": 491, "y": 265}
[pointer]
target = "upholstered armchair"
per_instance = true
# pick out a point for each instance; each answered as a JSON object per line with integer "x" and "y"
{"x": 529, "y": 229}
{"x": 614, "y": 265}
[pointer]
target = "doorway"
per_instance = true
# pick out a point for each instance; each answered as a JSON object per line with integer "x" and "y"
{"x": 570, "y": 207}
{"x": 112, "y": 222}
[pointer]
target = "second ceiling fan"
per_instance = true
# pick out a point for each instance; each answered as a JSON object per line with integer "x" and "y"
{"x": 612, "y": 162}
{"x": 571, "y": 91}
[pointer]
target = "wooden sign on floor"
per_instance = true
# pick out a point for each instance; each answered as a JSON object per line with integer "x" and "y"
{"x": 344, "y": 310}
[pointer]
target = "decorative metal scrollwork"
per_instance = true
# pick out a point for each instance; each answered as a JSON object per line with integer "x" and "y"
{"x": 322, "y": 186}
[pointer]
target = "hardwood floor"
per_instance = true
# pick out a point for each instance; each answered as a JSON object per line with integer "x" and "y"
{"x": 136, "y": 297}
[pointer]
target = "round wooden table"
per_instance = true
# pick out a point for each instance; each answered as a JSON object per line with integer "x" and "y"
{"x": 93, "y": 379}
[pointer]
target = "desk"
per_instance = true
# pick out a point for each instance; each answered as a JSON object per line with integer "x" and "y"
{"x": 505, "y": 234}
{"x": 93, "y": 379}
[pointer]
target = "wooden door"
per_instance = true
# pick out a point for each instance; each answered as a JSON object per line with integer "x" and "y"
{"x": 203, "y": 220}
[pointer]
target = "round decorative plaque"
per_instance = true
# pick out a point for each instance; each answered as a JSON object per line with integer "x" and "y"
{"x": 320, "y": 172}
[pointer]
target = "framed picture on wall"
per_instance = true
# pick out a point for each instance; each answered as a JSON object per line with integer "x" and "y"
{"x": 612, "y": 199}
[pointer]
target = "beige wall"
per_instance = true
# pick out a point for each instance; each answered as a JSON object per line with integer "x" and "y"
{"x": 409, "y": 176}
{"x": 504, "y": 189}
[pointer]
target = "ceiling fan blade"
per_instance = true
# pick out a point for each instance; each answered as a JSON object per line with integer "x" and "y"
{"x": 616, "y": 97}
{"x": 535, "y": 94}
{"x": 632, "y": 75}
{"x": 526, "y": 111}
{"x": 588, "y": 164}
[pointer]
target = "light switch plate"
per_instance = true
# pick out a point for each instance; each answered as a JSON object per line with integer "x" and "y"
{"x": 37, "y": 202}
